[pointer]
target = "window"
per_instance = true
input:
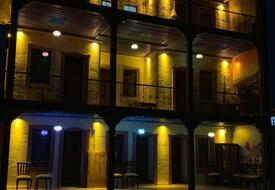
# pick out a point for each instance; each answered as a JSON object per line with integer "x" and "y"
{"x": 40, "y": 60}
{"x": 129, "y": 82}
{"x": 40, "y": 146}
{"x": 106, "y": 3}
{"x": 130, "y": 8}
{"x": 206, "y": 85}
{"x": 204, "y": 153}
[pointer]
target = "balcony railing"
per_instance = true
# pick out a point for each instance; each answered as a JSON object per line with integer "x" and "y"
{"x": 223, "y": 19}
{"x": 177, "y": 10}
{"x": 96, "y": 92}
{"x": 222, "y": 103}
{"x": 145, "y": 96}
{"x": 202, "y": 15}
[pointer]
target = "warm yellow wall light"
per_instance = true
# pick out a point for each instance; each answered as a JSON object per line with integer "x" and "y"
{"x": 94, "y": 45}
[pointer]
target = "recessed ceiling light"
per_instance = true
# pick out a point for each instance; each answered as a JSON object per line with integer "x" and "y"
{"x": 134, "y": 46}
{"x": 211, "y": 134}
{"x": 56, "y": 33}
{"x": 199, "y": 56}
{"x": 141, "y": 131}
{"x": 57, "y": 128}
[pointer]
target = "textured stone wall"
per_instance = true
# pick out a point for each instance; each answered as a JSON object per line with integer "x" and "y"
{"x": 164, "y": 95}
{"x": 97, "y": 156}
{"x": 53, "y": 91}
{"x": 19, "y": 135}
{"x": 5, "y": 11}
{"x": 163, "y": 155}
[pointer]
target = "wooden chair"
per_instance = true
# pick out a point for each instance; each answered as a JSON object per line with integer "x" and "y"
{"x": 130, "y": 175}
{"x": 42, "y": 175}
{"x": 118, "y": 176}
{"x": 23, "y": 174}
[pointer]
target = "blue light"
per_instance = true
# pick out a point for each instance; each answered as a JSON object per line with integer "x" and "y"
{"x": 44, "y": 133}
{"x": 141, "y": 131}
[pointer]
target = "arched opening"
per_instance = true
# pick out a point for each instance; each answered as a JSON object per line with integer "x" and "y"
{"x": 152, "y": 151}
{"x": 228, "y": 155}
{"x": 72, "y": 148}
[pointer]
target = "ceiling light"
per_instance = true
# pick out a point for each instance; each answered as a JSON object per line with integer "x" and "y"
{"x": 44, "y": 133}
{"x": 141, "y": 131}
{"x": 211, "y": 134}
{"x": 57, "y": 128}
{"x": 56, "y": 33}
{"x": 134, "y": 46}
{"x": 199, "y": 56}
{"x": 9, "y": 35}
{"x": 45, "y": 54}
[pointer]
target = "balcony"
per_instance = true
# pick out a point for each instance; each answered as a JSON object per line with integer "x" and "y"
{"x": 223, "y": 19}
{"x": 151, "y": 69}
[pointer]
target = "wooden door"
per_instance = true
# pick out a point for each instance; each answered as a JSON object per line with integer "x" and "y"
{"x": 142, "y": 157}
{"x": 180, "y": 89}
{"x": 176, "y": 156}
{"x": 75, "y": 70}
{"x": 72, "y": 159}
{"x": 104, "y": 88}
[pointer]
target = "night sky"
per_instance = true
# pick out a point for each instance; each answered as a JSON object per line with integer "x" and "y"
{"x": 270, "y": 13}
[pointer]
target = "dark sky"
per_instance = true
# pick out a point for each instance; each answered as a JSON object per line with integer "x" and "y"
{"x": 270, "y": 14}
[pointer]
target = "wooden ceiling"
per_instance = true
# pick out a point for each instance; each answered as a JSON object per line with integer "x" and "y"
{"x": 150, "y": 37}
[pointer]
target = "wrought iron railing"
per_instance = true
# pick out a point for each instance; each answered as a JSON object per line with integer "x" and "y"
{"x": 145, "y": 96}
{"x": 223, "y": 19}
{"x": 223, "y": 103}
{"x": 97, "y": 92}
{"x": 177, "y": 10}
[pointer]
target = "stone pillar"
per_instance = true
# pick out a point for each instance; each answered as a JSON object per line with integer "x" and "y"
{"x": 97, "y": 156}
{"x": 164, "y": 93}
{"x": 19, "y": 136}
{"x": 93, "y": 84}
{"x": 163, "y": 155}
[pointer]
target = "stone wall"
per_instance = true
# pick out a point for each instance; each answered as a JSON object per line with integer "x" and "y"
{"x": 5, "y": 10}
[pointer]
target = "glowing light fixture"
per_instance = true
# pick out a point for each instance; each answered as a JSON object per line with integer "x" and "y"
{"x": 199, "y": 56}
{"x": 57, "y": 128}
{"x": 44, "y": 133}
{"x": 141, "y": 131}
{"x": 45, "y": 54}
{"x": 221, "y": 7}
{"x": 211, "y": 134}
{"x": 56, "y": 33}
{"x": 134, "y": 46}
{"x": 225, "y": 63}
{"x": 9, "y": 35}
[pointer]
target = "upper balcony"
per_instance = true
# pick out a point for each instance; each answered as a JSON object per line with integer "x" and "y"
{"x": 151, "y": 70}
{"x": 231, "y": 15}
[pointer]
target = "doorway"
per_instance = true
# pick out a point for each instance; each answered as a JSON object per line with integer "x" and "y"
{"x": 104, "y": 88}
{"x": 177, "y": 159}
{"x": 145, "y": 158}
{"x": 180, "y": 89}
{"x": 75, "y": 70}
{"x": 72, "y": 159}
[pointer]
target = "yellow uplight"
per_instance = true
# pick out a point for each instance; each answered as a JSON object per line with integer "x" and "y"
{"x": 94, "y": 45}
{"x": 221, "y": 7}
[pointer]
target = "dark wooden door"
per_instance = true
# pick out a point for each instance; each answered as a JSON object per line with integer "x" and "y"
{"x": 104, "y": 88}
{"x": 227, "y": 161}
{"x": 142, "y": 157}
{"x": 72, "y": 158}
{"x": 177, "y": 159}
{"x": 180, "y": 89}
{"x": 119, "y": 158}
{"x": 74, "y": 67}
